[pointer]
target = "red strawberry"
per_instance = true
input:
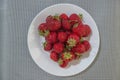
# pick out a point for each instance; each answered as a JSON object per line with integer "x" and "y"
{"x": 49, "y": 19}
{"x": 62, "y": 63}
{"x": 47, "y": 46}
{"x": 43, "y": 30}
{"x": 81, "y": 30}
{"x": 63, "y": 16}
{"x": 54, "y": 25}
{"x": 54, "y": 56}
{"x": 62, "y": 36}
{"x": 51, "y": 37}
{"x": 72, "y": 40}
{"x": 74, "y": 18}
{"x": 86, "y": 44}
{"x": 88, "y": 30}
{"x": 80, "y": 48}
{"x": 58, "y": 47}
{"x": 66, "y": 25}
{"x": 68, "y": 56}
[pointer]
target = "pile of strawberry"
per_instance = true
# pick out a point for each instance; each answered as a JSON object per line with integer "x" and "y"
{"x": 65, "y": 37}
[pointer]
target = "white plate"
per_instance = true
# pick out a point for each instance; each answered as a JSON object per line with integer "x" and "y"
{"x": 41, "y": 57}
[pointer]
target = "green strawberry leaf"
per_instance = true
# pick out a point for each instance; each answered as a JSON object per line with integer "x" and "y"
{"x": 81, "y": 16}
{"x": 56, "y": 16}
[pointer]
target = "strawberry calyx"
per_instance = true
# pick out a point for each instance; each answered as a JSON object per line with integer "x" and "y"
{"x": 81, "y": 39}
{"x": 80, "y": 16}
{"x": 56, "y": 16}
{"x": 44, "y": 33}
{"x": 67, "y": 55}
{"x": 60, "y": 61}
{"x": 75, "y": 25}
{"x": 44, "y": 44}
{"x": 72, "y": 42}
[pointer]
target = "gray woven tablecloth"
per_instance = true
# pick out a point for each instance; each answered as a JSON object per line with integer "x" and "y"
{"x": 15, "y": 60}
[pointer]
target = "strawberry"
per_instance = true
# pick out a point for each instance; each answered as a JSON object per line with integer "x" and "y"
{"x": 68, "y": 56}
{"x": 58, "y": 47}
{"x": 82, "y": 30}
{"x": 54, "y": 56}
{"x": 76, "y": 28}
{"x": 74, "y": 18}
{"x": 54, "y": 25}
{"x": 43, "y": 30}
{"x": 62, "y": 63}
{"x": 49, "y": 19}
{"x": 88, "y": 30}
{"x": 47, "y": 46}
{"x": 62, "y": 36}
{"x": 63, "y": 16}
{"x": 51, "y": 37}
{"x": 80, "y": 48}
{"x": 86, "y": 44}
{"x": 66, "y": 25}
{"x": 72, "y": 40}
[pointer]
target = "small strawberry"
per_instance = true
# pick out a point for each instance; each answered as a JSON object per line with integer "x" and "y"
{"x": 63, "y": 16}
{"x": 66, "y": 25}
{"x": 47, "y": 46}
{"x": 54, "y": 56}
{"x": 72, "y": 40}
{"x": 51, "y": 37}
{"x": 54, "y": 25}
{"x": 82, "y": 30}
{"x": 62, "y": 63}
{"x": 86, "y": 44}
{"x": 68, "y": 56}
{"x": 80, "y": 48}
{"x": 88, "y": 30}
{"x": 74, "y": 18}
{"x": 43, "y": 30}
{"x": 62, "y": 36}
{"x": 49, "y": 19}
{"x": 58, "y": 47}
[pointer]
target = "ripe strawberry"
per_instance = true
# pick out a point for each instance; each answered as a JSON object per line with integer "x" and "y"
{"x": 74, "y": 18}
{"x": 58, "y": 47}
{"x": 62, "y": 63}
{"x": 54, "y": 56}
{"x": 47, "y": 46}
{"x": 51, "y": 37}
{"x": 86, "y": 44}
{"x": 68, "y": 56}
{"x": 63, "y": 16}
{"x": 72, "y": 40}
{"x": 66, "y": 25}
{"x": 80, "y": 48}
{"x": 49, "y": 19}
{"x": 76, "y": 28}
{"x": 62, "y": 36}
{"x": 88, "y": 30}
{"x": 43, "y": 30}
{"x": 54, "y": 25}
{"x": 81, "y": 30}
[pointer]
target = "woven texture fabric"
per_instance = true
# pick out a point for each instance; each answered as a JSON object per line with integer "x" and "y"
{"x": 16, "y": 62}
